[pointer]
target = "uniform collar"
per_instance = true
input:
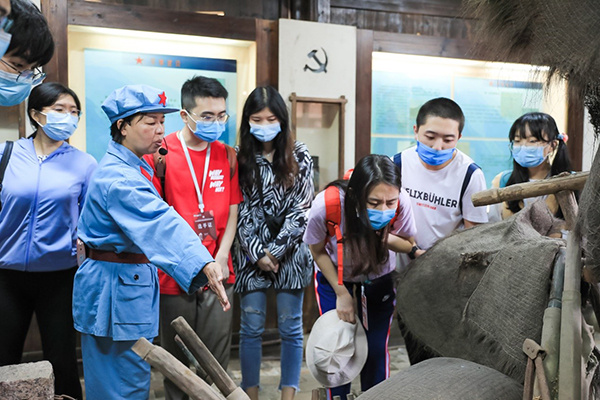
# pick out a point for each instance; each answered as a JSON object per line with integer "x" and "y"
{"x": 128, "y": 157}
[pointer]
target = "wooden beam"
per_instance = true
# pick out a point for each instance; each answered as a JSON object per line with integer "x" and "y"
{"x": 166, "y": 21}
{"x": 55, "y": 12}
{"x": 204, "y": 357}
{"x": 443, "y": 8}
{"x": 267, "y": 53}
{"x": 364, "y": 78}
{"x": 525, "y": 190}
{"x": 173, "y": 369}
{"x": 422, "y": 45}
{"x": 323, "y": 11}
{"x": 575, "y": 122}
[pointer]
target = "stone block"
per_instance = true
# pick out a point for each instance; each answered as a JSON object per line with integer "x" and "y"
{"x": 27, "y": 381}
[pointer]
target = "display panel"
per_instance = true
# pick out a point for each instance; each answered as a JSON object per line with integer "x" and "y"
{"x": 491, "y": 95}
{"x": 107, "y": 70}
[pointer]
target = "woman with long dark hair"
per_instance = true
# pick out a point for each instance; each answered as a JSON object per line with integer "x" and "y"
{"x": 539, "y": 151}
{"x": 372, "y": 206}
{"x": 42, "y": 195}
{"x": 276, "y": 180}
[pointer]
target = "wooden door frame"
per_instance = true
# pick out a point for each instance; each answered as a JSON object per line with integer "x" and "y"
{"x": 341, "y": 103}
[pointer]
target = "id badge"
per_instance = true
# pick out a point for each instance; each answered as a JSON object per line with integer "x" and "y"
{"x": 363, "y": 302}
{"x": 204, "y": 225}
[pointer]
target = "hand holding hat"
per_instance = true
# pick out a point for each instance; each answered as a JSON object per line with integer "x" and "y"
{"x": 336, "y": 351}
{"x": 132, "y": 99}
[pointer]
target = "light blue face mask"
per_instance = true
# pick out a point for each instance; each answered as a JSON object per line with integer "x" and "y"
{"x": 59, "y": 126}
{"x": 528, "y": 156}
{"x": 207, "y": 131}
{"x": 433, "y": 157}
{"x": 5, "y": 37}
{"x": 11, "y": 91}
{"x": 265, "y": 133}
{"x": 380, "y": 218}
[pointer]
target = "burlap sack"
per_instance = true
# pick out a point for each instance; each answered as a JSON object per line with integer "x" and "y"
{"x": 478, "y": 294}
{"x": 446, "y": 379}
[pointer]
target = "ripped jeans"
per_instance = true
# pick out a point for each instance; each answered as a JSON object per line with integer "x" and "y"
{"x": 289, "y": 321}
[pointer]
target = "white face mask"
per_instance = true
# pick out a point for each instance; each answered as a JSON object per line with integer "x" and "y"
{"x": 265, "y": 133}
{"x": 59, "y": 126}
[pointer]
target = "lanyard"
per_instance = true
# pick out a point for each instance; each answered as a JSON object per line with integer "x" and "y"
{"x": 191, "y": 167}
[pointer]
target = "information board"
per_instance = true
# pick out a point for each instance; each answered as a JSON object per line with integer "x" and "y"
{"x": 107, "y": 70}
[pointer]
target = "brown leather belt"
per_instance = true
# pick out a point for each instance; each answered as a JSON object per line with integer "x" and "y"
{"x": 110, "y": 256}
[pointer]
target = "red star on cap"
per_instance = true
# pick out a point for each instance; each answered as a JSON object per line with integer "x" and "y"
{"x": 139, "y": 60}
{"x": 163, "y": 99}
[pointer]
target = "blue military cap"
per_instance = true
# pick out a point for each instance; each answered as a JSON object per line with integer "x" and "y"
{"x": 132, "y": 99}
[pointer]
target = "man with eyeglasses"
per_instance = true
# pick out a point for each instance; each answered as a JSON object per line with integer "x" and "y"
{"x": 200, "y": 180}
{"x": 25, "y": 44}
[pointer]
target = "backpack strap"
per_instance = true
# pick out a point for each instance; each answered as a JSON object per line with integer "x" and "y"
{"x": 232, "y": 158}
{"x": 4, "y": 162}
{"x": 504, "y": 178}
{"x": 472, "y": 168}
{"x": 398, "y": 160}
{"x": 333, "y": 217}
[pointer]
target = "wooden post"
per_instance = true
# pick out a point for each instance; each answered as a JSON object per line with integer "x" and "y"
{"x": 569, "y": 364}
{"x": 173, "y": 369}
{"x": 568, "y": 205}
{"x": 530, "y": 189}
{"x": 205, "y": 358}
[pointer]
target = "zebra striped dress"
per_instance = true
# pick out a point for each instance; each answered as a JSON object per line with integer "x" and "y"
{"x": 295, "y": 260}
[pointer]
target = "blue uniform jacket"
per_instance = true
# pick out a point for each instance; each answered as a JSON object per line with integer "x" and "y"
{"x": 40, "y": 207}
{"x": 124, "y": 213}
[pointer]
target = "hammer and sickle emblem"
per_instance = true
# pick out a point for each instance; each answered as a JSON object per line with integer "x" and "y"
{"x": 322, "y": 65}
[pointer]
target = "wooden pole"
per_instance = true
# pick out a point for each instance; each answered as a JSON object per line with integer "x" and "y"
{"x": 205, "y": 358}
{"x": 530, "y": 189}
{"x": 568, "y": 205}
{"x": 569, "y": 364}
{"x": 173, "y": 369}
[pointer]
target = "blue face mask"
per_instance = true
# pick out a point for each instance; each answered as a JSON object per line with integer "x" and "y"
{"x": 380, "y": 218}
{"x": 528, "y": 156}
{"x": 207, "y": 131}
{"x": 265, "y": 133}
{"x": 11, "y": 91}
{"x": 433, "y": 157}
{"x": 59, "y": 126}
{"x": 4, "y": 42}
{"x": 5, "y": 37}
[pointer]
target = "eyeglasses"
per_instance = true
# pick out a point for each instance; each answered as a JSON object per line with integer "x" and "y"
{"x": 75, "y": 112}
{"x": 210, "y": 118}
{"x": 540, "y": 143}
{"x": 34, "y": 75}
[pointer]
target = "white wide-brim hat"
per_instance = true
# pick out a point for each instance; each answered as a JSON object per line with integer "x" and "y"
{"x": 336, "y": 351}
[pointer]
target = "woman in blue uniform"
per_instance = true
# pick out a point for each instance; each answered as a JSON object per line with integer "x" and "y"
{"x": 129, "y": 231}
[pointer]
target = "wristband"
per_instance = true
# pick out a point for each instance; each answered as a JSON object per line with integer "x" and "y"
{"x": 411, "y": 253}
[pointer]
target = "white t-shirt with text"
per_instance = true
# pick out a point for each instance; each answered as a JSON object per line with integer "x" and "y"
{"x": 435, "y": 196}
